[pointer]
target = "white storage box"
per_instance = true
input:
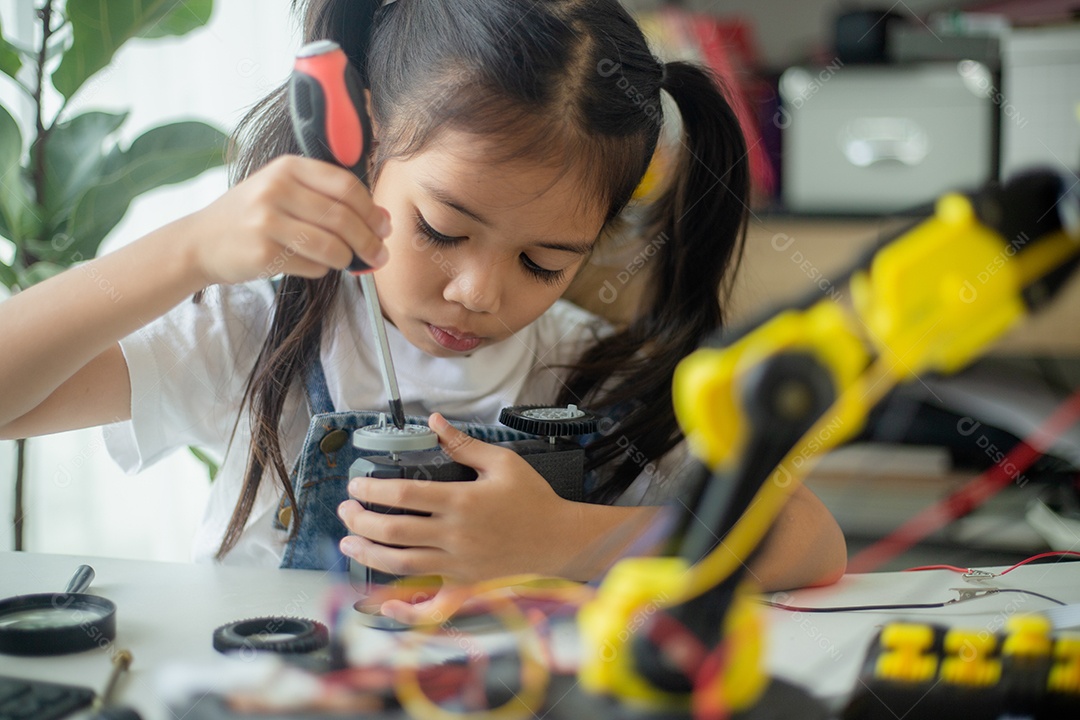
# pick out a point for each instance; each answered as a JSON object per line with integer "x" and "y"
{"x": 879, "y": 139}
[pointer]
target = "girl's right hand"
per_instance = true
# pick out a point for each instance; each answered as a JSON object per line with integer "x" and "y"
{"x": 295, "y": 216}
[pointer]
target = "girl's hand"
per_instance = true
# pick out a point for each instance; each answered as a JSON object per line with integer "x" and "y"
{"x": 508, "y": 522}
{"x": 428, "y": 606}
{"x": 295, "y": 216}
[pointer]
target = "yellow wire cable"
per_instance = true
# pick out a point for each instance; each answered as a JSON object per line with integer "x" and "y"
{"x": 525, "y": 704}
{"x": 541, "y": 583}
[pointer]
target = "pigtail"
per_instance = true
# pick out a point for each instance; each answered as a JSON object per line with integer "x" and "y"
{"x": 300, "y": 304}
{"x": 698, "y": 229}
{"x": 704, "y": 210}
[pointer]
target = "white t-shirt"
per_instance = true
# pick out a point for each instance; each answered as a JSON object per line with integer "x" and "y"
{"x": 190, "y": 367}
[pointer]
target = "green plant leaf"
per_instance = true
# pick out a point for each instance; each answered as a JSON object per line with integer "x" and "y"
{"x": 10, "y": 152}
{"x": 19, "y": 217}
{"x": 209, "y": 462}
{"x": 8, "y": 277}
{"x": 194, "y": 14}
{"x": 75, "y": 159}
{"x": 10, "y": 62}
{"x": 26, "y": 216}
{"x": 10, "y": 141}
{"x": 39, "y": 272}
{"x": 161, "y": 156}
{"x": 53, "y": 246}
{"x": 101, "y": 27}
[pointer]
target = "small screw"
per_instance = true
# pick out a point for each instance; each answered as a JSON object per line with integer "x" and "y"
{"x": 121, "y": 662}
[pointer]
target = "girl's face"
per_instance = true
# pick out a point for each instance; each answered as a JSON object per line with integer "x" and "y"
{"x": 478, "y": 250}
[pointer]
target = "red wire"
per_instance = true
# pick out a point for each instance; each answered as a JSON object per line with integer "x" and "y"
{"x": 971, "y": 495}
{"x": 939, "y": 567}
{"x": 677, "y": 643}
{"x": 1040, "y": 556}
{"x": 707, "y": 705}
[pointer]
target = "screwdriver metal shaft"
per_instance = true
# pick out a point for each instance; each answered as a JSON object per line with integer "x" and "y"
{"x": 382, "y": 345}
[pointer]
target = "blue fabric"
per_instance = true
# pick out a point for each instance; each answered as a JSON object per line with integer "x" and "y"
{"x": 319, "y": 479}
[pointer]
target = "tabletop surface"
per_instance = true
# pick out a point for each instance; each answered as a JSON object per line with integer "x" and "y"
{"x": 166, "y": 612}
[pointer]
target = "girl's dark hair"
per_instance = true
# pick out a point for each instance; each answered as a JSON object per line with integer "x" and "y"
{"x": 570, "y": 82}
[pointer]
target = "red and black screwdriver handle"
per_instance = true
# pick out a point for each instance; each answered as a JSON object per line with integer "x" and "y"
{"x": 328, "y": 112}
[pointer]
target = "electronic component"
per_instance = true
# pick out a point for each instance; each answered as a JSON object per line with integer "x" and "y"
{"x": 761, "y": 402}
{"x": 39, "y": 700}
{"x": 412, "y": 452}
{"x": 925, "y": 672}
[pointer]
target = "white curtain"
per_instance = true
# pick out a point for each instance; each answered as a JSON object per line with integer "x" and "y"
{"x": 78, "y": 501}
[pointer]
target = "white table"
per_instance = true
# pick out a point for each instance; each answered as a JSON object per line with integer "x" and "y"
{"x": 823, "y": 652}
{"x": 167, "y": 612}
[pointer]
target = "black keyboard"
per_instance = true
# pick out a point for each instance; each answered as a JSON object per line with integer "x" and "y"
{"x": 40, "y": 700}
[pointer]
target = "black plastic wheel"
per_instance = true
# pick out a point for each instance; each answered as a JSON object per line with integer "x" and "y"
{"x": 273, "y": 634}
{"x": 547, "y": 421}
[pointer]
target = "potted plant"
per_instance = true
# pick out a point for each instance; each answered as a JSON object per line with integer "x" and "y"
{"x": 65, "y": 179}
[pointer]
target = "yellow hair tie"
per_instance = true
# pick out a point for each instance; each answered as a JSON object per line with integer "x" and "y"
{"x": 650, "y": 180}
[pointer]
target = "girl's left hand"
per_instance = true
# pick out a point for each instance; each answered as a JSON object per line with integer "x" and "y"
{"x": 420, "y": 606}
{"x": 507, "y": 522}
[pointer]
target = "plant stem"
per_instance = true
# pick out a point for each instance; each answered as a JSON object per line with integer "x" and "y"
{"x": 41, "y": 132}
{"x": 39, "y": 117}
{"x": 20, "y": 471}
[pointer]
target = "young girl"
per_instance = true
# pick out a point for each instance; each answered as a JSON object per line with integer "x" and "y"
{"x": 510, "y": 138}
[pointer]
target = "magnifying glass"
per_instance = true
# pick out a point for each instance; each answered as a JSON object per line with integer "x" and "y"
{"x": 57, "y": 623}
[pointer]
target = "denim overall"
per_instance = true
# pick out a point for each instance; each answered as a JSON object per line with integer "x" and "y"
{"x": 320, "y": 476}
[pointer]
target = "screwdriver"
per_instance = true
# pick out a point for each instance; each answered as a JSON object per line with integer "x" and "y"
{"x": 329, "y": 118}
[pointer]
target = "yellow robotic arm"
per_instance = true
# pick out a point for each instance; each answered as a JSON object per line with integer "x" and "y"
{"x": 761, "y": 404}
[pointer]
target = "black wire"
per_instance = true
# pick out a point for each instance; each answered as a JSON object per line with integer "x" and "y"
{"x": 853, "y": 608}
{"x": 911, "y": 606}
{"x": 1031, "y": 592}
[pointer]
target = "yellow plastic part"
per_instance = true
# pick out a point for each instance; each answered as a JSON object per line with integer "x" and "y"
{"x": 1028, "y": 636}
{"x": 904, "y": 658}
{"x": 635, "y": 589}
{"x": 1064, "y": 677}
{"x": 906, "y": 665}
{"x": 974, "y": 672}
{"x": 967, "y": 662}
{"x": 706, "y": 384}
{"x": 744, "y": 632}
{"x": 1067, "y": 647}
{"x": 967, "y": 643}
{"x": 632, "y": 591}
{"x": 748, "y": 532}
{"x": 935, "y": 298}
{"x": 1042, "y": 258}
{"x": 1065, "y": 673}
{"x": 907, "y": 636}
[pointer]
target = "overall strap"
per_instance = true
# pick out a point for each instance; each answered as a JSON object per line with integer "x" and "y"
{"x": 318, "y": 394}
{"x": 315, "y": 388}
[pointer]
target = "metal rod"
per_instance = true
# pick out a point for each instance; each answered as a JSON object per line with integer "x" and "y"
{"x": 121, "y": 662}
{"x": 382, "y": 345}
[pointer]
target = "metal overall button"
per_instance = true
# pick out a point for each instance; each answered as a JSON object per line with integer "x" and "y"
{"x": 334, "y": 441}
